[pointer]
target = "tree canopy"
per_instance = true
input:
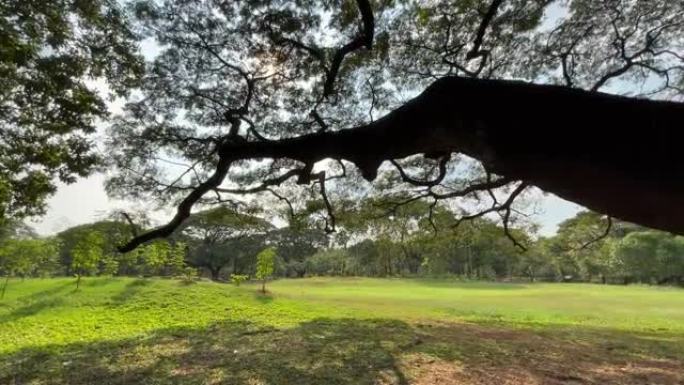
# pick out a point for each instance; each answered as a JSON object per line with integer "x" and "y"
{"x": 464, "y": 105}
{"x": 257, "y": 97}
{"x": 52, "y": 54}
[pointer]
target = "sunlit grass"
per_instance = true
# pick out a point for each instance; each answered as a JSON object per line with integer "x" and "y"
{"x": 337, "y": 330}
{"x": 637, "y": 308}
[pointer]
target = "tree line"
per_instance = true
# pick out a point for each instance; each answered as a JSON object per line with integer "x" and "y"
{"x": 222, "y": 243}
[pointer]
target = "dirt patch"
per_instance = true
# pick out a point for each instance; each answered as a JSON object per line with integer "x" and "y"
{"x": 471, "y": 354}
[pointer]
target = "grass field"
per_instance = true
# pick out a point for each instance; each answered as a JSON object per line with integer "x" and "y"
{"x": 339, "y": 331}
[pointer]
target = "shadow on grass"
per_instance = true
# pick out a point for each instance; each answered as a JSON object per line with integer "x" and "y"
{"x": 351, "y": 351}
{"x": 470, "y": 285}
{"x": 130, "y": 290}
{"x": 57, "y": 289}
{"x": 35, "y": 303}
{"x": 263, "y": 298}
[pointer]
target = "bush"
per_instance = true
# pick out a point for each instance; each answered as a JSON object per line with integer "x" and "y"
{"x": 237, "y": 279}
{"x": 189, "y": 275}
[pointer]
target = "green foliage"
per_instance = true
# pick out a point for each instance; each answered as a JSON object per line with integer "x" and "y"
{"x": 110, "y": 266}
{"x": 176, "y": 260}
{"x": 48, "y": 50}
{"x": 163, "y": 258}
{"x": 238, "y": 279}
{"x": 265, "y": 265}
{"x": 27, "y": 257}
{"x": 113, "y": 234}
{"x": 328, "y": 262}
{"x": 650, "y": 257}
{"x": 154, "y": 256}
{"x": 189, "y": 275}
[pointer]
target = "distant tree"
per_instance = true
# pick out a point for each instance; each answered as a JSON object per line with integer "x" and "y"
{"x": 221, "y": 236}
{"x": 86, "y": 255}
{"x": 580, "y": 246}
{"x": 265, "y": 266}
{"x": 161, "y": 257}
{"x": 651, "y": 257}
{"x": 154, "y": 256}
{"x": 176, "y": 261}
{"x": 294, "y": 245}
{"x": 15, "y": 229}
{"x": 328, "y": 262}
{"x": 113, "y": 233}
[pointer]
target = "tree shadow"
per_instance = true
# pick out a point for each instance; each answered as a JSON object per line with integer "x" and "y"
{"x": 31, "y": 309}
{"x": 318, "y": 352}
{"x": 35, "y": 303}
{"x": 53, "y": 291}
{"x": 100, "y": 281}
{"x": 470, "y": 285}
{"x": 263, "y": 298}
{"x": 129, "y": 291}
{"x": 353, "y": 351}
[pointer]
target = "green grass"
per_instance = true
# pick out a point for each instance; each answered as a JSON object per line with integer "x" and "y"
{"x": 632, "y": 308}
{"x": 338, "y": 331}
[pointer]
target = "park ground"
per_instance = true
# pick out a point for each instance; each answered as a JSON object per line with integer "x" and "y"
{"x": 339, "y": 331}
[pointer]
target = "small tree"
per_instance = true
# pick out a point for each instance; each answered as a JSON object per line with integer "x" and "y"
{"x": 86, "y": 255}
{"x": 155, "y": 256}
{"x": 110, "y": 265}
{"x": 265, "y": 265}
{"x": 176, "y": 259}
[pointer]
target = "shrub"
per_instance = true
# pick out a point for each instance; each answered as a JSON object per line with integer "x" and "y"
{"x": 237, "y": 279}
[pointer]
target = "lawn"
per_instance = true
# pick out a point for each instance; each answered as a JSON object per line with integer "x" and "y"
{"x": 339, "y": 331}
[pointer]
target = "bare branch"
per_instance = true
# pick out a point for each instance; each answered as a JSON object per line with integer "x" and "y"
{"x": 364, "y": 39}
{"x": 330, "y": 220}
{"x": 476, "y": 51}
{"x": 442, "y": 173}
{"x": 263, "y": 186}
{"x": 605, "y": 234}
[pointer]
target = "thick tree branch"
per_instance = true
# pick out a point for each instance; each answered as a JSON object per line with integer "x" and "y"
{"x": 183, "y": 210}
{"x": 616, "y": 155}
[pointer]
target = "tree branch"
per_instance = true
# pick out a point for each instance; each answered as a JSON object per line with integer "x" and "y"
{"x": 506, "y": 125}
{"x": 364, "y": 39}
{"x": 475, "y": 51}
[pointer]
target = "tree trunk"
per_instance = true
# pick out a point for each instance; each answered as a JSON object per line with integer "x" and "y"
{"x": 78, "y": 281}
{"x": 215, "y": 272}
{"x": 4, "y": 287}
{"x": 263, "y": 286}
